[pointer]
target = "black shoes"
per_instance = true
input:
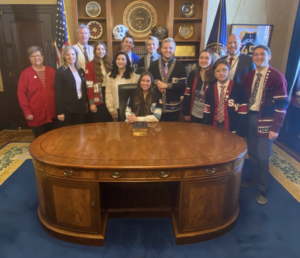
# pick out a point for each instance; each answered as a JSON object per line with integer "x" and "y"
{"x": 247, "y": 183}
{"x": 261, "y": 198}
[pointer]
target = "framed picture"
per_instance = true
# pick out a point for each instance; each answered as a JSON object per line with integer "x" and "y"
{"x": 252, "y": 35}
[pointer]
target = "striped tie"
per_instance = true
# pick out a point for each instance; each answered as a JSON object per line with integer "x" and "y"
{"x": 254, "y": 91}
{"x": 220, "y": 117}
{"x": 85, "y": 55}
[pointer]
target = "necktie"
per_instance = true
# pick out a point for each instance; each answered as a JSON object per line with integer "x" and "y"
{"x": 85, "y": 55}
{"x": 230, "y": 61}
{"x": 254, "y": 91}
{"x": 220, "y": 117}
{"x": 166, "y": 68}
{"x": 151, "y": 59}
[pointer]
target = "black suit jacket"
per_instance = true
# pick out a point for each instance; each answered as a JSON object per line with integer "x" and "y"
{"x": 245, "y": 65}
{"x": 66, "y": 98}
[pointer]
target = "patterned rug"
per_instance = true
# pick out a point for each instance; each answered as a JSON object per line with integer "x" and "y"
{"x": 286, "y": 170}
{"x": 12, "y": 156}
{"x": 283, "y": 167}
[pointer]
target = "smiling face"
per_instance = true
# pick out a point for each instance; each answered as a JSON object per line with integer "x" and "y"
{"x": 127, "y": 44}
{"x": 100, "y": 51}
{"x": 70, "y": 57}
{"x": 151, "y": 46}
{"x": 145, "y": 82}
{"x": 121, "y": 61}
{"x": 168, "y": 50}
{"x": 261, "y": 58}
{"x": 36, "y": 58}
{"x": 204, "y": 60}
{"x": 222, "y": 73}
{"x": 83, "y": 36}
{"x": 233, "y": 45}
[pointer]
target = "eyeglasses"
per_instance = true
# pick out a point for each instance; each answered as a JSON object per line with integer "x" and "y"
{"x": 37, "y": 56}
{"x": 221, "y": 71}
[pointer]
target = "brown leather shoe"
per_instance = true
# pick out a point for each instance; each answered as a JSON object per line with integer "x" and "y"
{"x": 247, "y": 183}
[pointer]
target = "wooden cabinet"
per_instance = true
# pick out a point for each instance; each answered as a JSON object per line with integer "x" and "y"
{"x": 168, "y": 14}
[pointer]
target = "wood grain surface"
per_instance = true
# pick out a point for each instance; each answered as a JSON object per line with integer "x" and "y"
{"x": 113, "y": 146}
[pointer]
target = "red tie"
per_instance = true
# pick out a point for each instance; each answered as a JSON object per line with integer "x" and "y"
{"x": 220, "y": 117}
{"x": 230, "y": 61}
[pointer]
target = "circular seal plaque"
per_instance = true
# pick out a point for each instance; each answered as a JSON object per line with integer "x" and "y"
{"x": 139, "y": 17}
{"x": 96, "y": 29}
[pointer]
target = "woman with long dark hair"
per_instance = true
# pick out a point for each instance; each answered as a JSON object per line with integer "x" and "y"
{"x": 95, "y": 74}
{"x": 197, "y": 84}
{"x": 120, "y": 74}
{"x": 144, "y": 105}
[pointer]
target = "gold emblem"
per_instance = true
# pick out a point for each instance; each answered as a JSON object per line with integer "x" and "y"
{"x": 139, "y": 17}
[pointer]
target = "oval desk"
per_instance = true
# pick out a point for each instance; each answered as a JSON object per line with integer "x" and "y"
{"x": 88, "y": 173}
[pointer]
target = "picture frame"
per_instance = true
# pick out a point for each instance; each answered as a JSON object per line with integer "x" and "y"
{"x": 252, "y": 35}
{"x": 190, "y": 67}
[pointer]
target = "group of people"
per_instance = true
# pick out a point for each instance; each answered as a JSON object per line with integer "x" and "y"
{"x": 238, "y": 93}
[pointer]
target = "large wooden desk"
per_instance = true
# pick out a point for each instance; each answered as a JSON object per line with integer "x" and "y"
{"x": 88, "y": 173}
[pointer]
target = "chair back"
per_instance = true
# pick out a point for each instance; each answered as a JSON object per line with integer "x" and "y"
{"x": 125, "y": 91}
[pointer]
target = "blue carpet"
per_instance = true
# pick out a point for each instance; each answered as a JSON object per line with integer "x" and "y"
{"x": 270, "y": 231}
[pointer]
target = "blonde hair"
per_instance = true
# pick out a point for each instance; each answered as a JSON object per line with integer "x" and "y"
{"x": 63, "y": 55}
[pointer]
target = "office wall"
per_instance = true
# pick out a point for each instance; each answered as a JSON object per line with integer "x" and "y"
{"x": 280, "y": 13}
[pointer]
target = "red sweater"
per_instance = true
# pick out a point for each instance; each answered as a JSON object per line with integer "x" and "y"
{"x": 91, "y": 84}
{"x": 274, "y": 101}
{"x": 34, "y": 98}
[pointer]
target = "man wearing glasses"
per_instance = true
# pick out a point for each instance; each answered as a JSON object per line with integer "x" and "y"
{"x": 226, "y": 102}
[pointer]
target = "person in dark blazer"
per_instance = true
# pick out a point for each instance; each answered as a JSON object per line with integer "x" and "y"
{"x": 70, "y": 89}
{"x": 240, "y": 64}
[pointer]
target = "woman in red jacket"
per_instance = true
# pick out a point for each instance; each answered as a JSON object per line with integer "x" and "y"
{"x": 36, "y": 93}
{"x": 95, "y": 76}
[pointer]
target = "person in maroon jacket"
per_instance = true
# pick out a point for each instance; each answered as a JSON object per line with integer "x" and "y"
{"x": 267, "y": 103}
{"x": 95, "y": 75}
{"x": 36, "y": 93}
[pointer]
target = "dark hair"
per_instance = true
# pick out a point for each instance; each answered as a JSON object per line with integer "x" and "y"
{"x": 97, "y": 63}
{"x": 115, "y": 70}
{"x": 127, "y": 35}
{"x": 209, "y": 74}
{"x": 33, "y": 49}
{"x": 140, "y": 95}
{"x": 263, "y": 47}
{"x": 221, "y": 61}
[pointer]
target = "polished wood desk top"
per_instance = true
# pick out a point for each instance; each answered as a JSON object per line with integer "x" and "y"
{"x": 112, "y": 145}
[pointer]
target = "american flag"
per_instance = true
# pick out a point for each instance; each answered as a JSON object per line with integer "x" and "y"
{"x": 61, "y": 37}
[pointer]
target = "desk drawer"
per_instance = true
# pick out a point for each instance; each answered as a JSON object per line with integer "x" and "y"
{"x": 70, "y": 172}
{"x": 208, "y": 171}
{"x": 163, "y": 174}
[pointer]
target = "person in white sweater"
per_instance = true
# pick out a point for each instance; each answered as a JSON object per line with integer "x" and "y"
{"x": 120, "y": 74}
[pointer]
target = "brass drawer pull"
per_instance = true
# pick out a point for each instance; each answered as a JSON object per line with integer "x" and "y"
{"x": 210, "y": 171}
{"x": 116, "y": 174}
{"x": 186, "y": 202}
{"x": 93, "y": 203}
{"x": 68, "y": 172}
{"x": 163, "y": 174}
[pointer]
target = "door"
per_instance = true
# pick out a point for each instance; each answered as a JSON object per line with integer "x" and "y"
{"x": 22, "y": 26}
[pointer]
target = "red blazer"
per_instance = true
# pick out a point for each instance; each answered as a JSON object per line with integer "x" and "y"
{"x": 274, "y": 101}
{"x": 35, "y": 99}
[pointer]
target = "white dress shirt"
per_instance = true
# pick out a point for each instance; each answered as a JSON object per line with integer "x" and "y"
{"x": 234, "y": 64}
{"x": 256, "y": 104}
{"x": 219, "y": 87}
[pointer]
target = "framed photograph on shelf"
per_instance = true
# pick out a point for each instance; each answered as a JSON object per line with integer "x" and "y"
{"x": 252, "y": 35}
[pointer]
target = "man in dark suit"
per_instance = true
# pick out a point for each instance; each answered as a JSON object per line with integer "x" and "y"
{"x": 240, "y": 64}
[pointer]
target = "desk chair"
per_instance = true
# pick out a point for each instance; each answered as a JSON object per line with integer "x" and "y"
{"x": 125, "y": 91}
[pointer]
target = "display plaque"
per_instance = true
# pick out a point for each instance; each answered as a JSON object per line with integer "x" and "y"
{"x": 139, "y": 17}
{"x": 185, "y": 51}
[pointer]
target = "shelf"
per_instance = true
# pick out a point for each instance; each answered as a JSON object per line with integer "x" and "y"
{"x": 92, "y": 18}
{"x": 186, "y": 60}
{"x": 187, "y": 41}
{"x": 94, "y": 40}
{"x": 135, "y": 40}
{"x": 188, "y": 19}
